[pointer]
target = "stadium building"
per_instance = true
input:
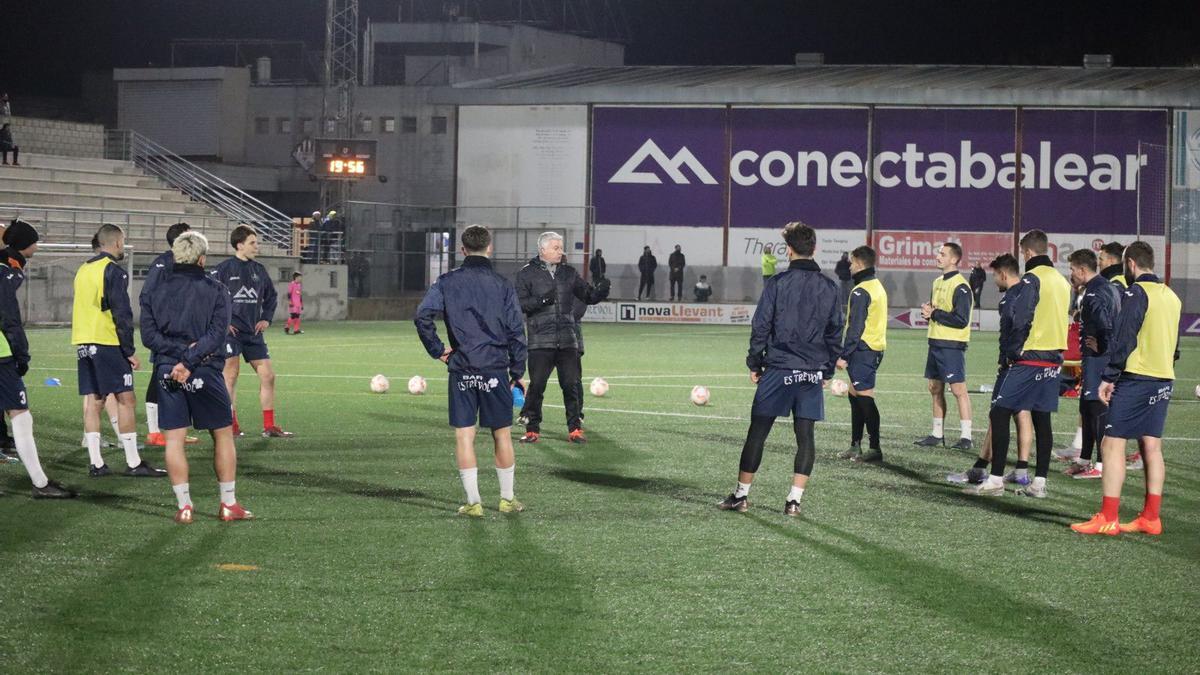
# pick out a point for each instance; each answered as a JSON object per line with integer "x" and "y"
{"x": 528, "y": 129}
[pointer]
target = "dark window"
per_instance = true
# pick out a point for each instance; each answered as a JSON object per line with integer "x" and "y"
{"x": 408, "y": 125}
{"x": 306, "y": 125}
{"x": 284, "y": 125}
{"x": 439, "y": 125}
{"x": 262, "y": 125}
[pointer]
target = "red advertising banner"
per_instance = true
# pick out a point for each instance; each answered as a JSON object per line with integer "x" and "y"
{"x": 907, "y": 250}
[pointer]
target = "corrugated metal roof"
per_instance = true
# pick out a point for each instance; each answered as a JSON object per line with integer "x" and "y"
{"x": 915, "y": 84}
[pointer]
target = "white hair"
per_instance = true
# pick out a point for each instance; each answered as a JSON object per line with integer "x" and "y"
{"x": 546, "y": 237}
{"x": 189, "y": 247}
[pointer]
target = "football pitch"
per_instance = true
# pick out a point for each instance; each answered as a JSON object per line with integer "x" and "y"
{"x": 358, "y": 562}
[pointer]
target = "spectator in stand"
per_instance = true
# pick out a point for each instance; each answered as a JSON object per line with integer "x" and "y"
{"x": 597, "y": 266}
{"x": 675, "y": 264}
{"x": 702, "y": 290}
{"x": 5, "y": 108}
{"x": 7, "y": 145}
{"x": 646, "y": 266}
{"x": 845, "y": 279}
{"x": 976, "y": 280}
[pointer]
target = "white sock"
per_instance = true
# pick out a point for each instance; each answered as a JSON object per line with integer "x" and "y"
{"x": 742, "y": 490}
{"x": 995, "y": 481}
{"x": 966, "y": 428}
{"x": 938, "y": 423}
{"x": 1082, "y": 461}
{"x": 22, "y": 434}
{"x": 1039, "y": 482}
{"x": 795, "y": 494}
{"x": 129, "y": 442}
{"x": 1100, "y": 467}
{"x": 506, "y": 481}
{"x": 115, "y": 427}
{"x": 1078, "y": 442}
{"x": 228, "y": 497}
{"x": 152, "y": 418}
{"x": 1022, "y": 472}
{"x": 470, "y": 482}
{"x": 183, "y": 494}
{"x": 92, "y": 438}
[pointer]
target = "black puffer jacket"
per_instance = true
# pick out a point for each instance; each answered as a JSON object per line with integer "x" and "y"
{"x": 547, "y": 302}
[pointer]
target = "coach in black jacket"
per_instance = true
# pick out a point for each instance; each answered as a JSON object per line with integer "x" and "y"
{"x": 547, "y": 288}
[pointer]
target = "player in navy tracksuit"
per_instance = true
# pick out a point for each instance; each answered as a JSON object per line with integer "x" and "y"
{"x": 1099, "y": 303}
{"x": 184, "y": 322}
{"x": 161, "y": 265}
{"x": 795, "y": 340}
{"x": 254, "y": 301}
{"x": 486, "y": 356}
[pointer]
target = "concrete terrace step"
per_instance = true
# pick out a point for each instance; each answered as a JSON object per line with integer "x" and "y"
{"x": 23, "y": 184}
{"x": 89, "y": 177}
{"x": 116, "y": 204}
{"x": 115, "y": 166}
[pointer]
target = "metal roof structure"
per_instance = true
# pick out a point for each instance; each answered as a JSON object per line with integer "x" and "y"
{"x": 839, "y": 85}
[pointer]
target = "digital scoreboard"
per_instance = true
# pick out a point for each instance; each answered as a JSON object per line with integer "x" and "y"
{"x": 350, "y": 159}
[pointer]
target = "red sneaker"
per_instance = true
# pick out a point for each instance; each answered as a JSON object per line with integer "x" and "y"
{"x": 576, "y": 437}
{"x": 1098, "y": 525}
{"x": 1143, "y": 525}
{"x": 276, "y": 432}
{"x": 230, "y": 512}
{"x": 529, "y": 437}
{"x": 1092, "y": 472}
{"x": 184, "y": 516}
{"x": 156, "y": 439}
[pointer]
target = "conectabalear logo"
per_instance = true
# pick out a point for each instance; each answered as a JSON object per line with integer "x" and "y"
{"x": 628, "y": 172}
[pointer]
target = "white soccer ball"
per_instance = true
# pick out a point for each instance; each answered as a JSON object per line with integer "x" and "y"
{"x": 839, "y": 387}
{"x": 1198, "y": 391}
{"x": 416, "y": 385}
{"x": 599, "y": 387}
{"x": 380, "y": 384}
{"x": 700, "y": 395}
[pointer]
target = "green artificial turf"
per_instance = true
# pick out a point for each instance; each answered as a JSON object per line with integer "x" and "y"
{"x": 621, "y": 561}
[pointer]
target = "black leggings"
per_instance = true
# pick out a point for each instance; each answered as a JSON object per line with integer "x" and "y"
{"x": 756, "y": 438}
{"x": 1094, "y": 414}
{"x": 864, "y": 413}
{"x": 1000, "y": 419}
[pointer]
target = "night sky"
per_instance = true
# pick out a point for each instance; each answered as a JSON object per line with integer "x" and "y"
{"x": 48, "y": 44}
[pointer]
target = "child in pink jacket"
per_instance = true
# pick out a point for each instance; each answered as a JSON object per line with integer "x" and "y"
{"x": 295, "y": 305}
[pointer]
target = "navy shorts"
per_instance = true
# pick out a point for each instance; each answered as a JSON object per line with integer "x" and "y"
{"x": 103, "y": 370}
{"x": 946, "y": 364}
{"x": 250, "y": 346}
{"x": 861, "y": 367}
{"x": 1033, "y": 388}
{"x": 789, "y": 392}
{"x": 1138, "y": 408}
{"x": 202, "y": 403}
{"x": 12, "y": 388}
{"x": 1089, "y": 381}
{"x": 482, "y": 396}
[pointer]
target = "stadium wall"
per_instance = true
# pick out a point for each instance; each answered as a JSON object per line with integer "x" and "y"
{"x": 54, "y": 137}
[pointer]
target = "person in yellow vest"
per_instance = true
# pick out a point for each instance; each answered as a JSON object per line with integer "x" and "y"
{"x": 1032, "y": 348}
{"x": 21, "y": 242}
{"x": 1112, "y": 266}
{"x": 1137, "y": 387}
{"x": 862, "y": 352}
{"x": 102, "y": 333}
{"x": 768, "y": 263}
{"x": 949, "y": 317}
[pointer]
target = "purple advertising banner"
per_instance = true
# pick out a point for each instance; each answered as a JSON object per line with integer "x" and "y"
{"x": 659, "y": 166}
{"x": 799, "y": 164}
{"x": 932, "y": 170}
{"x": 1083, "y": 168}
{"x": 940, "y": 170}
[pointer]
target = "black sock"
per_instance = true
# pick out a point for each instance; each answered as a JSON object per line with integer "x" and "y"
{"x": 1043, "y": 441}
{"x": 756, "y": 438}
{"x": 806, "y": 447}
{"x": 857, "y": 420}
{"x": 871, "y": 413}
{"x": 980, "y": 464}
{"x": 1000, "y": 419}
{"x": 1022, "y": 465}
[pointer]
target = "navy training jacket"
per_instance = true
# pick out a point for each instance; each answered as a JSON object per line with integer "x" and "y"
{"x": 185, "y": 318}
{"x": 798, "y": 322}
{"x": 482, "y": 316}
{"x": 250, "y": 289}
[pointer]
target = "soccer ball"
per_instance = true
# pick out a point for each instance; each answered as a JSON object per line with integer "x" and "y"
{"x": 380, "y": 384}
{"x": 1198, "y": 391}
{"x": 416, "y": 385}
{"x": 839, "y": 387}
{"x": 599, "y": 387}
{"x": 700, "y": 395}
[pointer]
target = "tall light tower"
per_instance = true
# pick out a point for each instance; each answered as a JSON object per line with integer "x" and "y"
{"x": 341, "y": 77}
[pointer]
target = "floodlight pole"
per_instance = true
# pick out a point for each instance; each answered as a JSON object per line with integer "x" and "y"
{"x": 341, "y": 78}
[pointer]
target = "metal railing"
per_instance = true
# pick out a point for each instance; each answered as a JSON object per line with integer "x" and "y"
{"x": 200, "y": 185}
{"x": 76, "y": 225}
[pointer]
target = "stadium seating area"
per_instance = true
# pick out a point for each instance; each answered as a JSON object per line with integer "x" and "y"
{"x": 67, "y": 198}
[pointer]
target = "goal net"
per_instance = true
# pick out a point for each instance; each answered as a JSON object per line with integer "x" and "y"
{"x": 48, "y": 293}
